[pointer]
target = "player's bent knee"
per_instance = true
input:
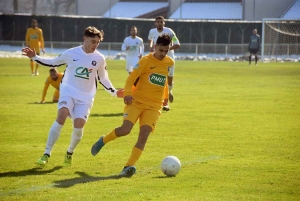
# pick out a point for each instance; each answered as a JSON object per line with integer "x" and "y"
{"x": 124, "y": 130}
{"x": 79, "y": 123}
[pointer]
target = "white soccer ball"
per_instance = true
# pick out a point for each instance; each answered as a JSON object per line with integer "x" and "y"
{"x": 170, "y": 166}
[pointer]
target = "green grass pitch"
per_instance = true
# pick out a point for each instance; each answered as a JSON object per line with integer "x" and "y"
{"x": 235, "y": 128}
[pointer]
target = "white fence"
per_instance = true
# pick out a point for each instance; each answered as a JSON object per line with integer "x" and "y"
{"x": 114, "y": 49}
{"x": 185, "y": 52}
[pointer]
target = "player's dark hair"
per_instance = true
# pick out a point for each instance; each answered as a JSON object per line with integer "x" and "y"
{"x": 160, "y": 18}
{"x": 134, "y": 27}
{"x": 34, "y": 20}
{"x": 92, "y": 32}
{"x": 164, "y": 40}
{"x": 52, "y": 70}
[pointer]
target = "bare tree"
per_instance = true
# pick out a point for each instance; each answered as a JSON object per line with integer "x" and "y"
{"x": 58, "y": 6}
{"x": 15, "y": 5}
{"x": 34, "y": 7}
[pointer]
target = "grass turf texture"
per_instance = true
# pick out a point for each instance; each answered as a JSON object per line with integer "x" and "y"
{"x": 234, "y": 127}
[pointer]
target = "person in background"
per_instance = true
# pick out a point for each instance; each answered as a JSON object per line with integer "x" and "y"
{"x": 254, "y": 44}
{"x": 34, "y": 40}
{"x": 134, "y": 47}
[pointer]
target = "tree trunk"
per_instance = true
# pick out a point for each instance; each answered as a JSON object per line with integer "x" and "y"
{"x": 15, "y": 6}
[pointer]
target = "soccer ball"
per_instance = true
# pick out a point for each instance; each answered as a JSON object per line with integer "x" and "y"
{"x": 170, "y": 166}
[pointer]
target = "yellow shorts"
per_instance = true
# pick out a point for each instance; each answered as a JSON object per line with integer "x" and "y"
{"x": 147, "y": 115}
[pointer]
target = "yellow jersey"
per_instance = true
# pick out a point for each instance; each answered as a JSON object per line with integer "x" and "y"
{"x": 54, "y": 83}
{"x": 34, "y": 39}
{"x": 150, "y": 79}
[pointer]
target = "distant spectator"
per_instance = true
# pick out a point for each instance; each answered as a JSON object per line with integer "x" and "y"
{"x": 254, "y": 44}
{"x": 34, "y": 40}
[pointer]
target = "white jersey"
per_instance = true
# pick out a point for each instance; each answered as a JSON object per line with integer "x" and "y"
{"x": 153, "y": 35}
{"x": 136, "y": 47}
{"x": 81, "y": 74}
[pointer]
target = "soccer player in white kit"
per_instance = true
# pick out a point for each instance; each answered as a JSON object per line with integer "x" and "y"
{"x": 153, "y": 35}
{"x": 134, "y": 47}
{"x": 85, "y": 65}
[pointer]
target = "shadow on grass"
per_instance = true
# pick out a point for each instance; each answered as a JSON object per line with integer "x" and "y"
{"x": 84, "y": 178}
{"x": 37, "y": 103}
{"x": 32, "y": 171}
{"x": 107, "y": 115}
{"x": 13, "y": 75}
{"x": 164, "y": 177}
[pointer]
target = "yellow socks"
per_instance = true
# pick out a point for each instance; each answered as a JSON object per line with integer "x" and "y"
{"x": 36, "y": 68}
{"x": 135, "y": 155}
{"x": 31, "y": 66}
{"x": 110, "y": 136}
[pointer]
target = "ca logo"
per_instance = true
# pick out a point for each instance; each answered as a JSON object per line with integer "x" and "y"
{"x": 82, "y": 72}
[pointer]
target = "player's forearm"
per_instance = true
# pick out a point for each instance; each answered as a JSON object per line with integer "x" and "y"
{"x": 107, "y": 85}
{"x": 150, "y": 45}
{"x": 42, "y": 44}
{"x": 44, "y": 95}
{"x": 128, "y": 87}
{"x": 53, "y": 62}
{"x": 174, "y": 47}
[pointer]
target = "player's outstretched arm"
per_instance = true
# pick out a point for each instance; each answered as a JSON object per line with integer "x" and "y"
{"x": 52, "y": 62}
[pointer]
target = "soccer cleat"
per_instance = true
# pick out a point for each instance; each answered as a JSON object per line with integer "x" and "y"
{"x": 256, "y": 64}
{"x": 32, "y": 74}
{"x": 166, "y": 108}
{"x": 68, "y": 159}
{"x": 128, "y": 171}
{"x": 36, "y": 73}
{"x": 97, "y": 146}
{"x": 43, "y": 160}
{"x": 171, "y": 97}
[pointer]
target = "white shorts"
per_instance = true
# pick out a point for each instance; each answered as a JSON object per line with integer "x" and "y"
{"x": 77, "y": 108}
{"x": 130, "y": 63}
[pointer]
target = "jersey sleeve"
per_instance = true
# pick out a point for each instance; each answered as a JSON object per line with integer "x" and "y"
{"x": 41, "y": 39}
{"x": 150, "y": 36}
{"x": 166, "y": 91}
{"x": 104, "y": 79}
{"x": 27, "y": 38}
{"x": 53, "y": 62}
{"x": 46, "y": 86}
{"x": 142, "y": 48}
{"x": 138, "y": 70}
{"x": 175, "y": 40}
{"x": 123, "y": 48}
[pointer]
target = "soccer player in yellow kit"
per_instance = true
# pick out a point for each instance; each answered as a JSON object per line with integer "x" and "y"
{"x": 144, "y": 102}
{"x": 54, "y": 79}
{"x": 34, "y": 40}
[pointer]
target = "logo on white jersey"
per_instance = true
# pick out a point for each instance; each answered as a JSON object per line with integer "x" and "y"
{"x": 82, "y": 72}
{"x": 94, "y": 63}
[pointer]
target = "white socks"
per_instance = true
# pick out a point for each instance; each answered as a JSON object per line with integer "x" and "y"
{"x": 52, "y": 137}
{"x": 75, "y": 139}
